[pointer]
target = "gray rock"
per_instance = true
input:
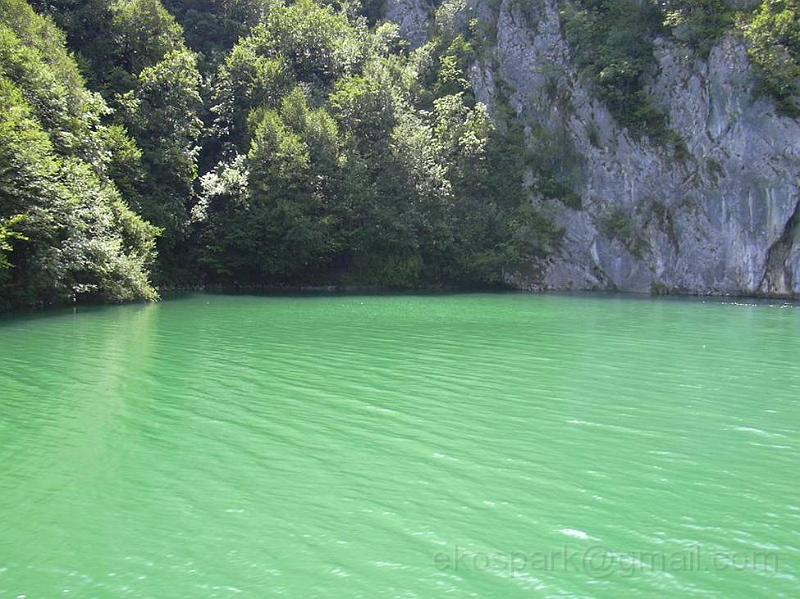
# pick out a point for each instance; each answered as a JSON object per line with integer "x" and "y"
{"x": 413, "y": 17}
{"x": 722, "y": 217}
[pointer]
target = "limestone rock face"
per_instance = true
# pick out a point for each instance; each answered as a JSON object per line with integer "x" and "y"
{"x": 720, "y": 216}
{"x": 414, "y": 18}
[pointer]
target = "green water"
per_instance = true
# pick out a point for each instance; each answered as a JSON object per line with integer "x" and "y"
{"x": 415, "y": 446}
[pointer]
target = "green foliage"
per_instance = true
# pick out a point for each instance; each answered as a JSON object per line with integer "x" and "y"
{"x": 144, "y": 33}
{"x": 303, "y": 43}
{"x": 318, "y": 44}
{"x": 65, "y": 231}
{"x": 612, "y": 41}
{"x": 556, "y": 167}
{"x": 773, "y": 36}
{"x": 212, "y": 27}
{"x": 364, "y": 108}
{"x": 617, "y": 224}
{"x": 161, "y": 114}
{"x": 332, "y": 153}
{"x": 115, "y": 40}
{"x": 385, "y": 171}
{"x": 453, "y": 64}
{"x": 246, "y": 81}
{"x": 32, "y": 58}
{"x": 136, "y": 57}
{"x": 123, "y": 163}
{"x": 698, "y": 23}
{"x": 530, "y": 234}
{"x": 7, "y": 235}
{"x": 280, "y": 226}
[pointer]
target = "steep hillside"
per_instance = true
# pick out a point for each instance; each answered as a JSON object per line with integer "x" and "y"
{"x": 689, "y": 184}
{"x": 538, "y": 144}
{"x": 66, "y": 230}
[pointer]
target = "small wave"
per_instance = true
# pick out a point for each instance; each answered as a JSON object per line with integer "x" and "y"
{"x": 574, "y": 533}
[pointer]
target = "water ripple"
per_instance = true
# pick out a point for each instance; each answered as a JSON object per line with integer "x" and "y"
{"x": 413, "y": 446}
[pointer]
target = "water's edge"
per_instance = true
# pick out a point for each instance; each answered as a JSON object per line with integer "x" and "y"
{"x": 170, "y": 292}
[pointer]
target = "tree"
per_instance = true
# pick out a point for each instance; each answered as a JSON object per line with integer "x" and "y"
{"x": 144, "y": 33}
{"x": 8, "y": 234}
{"x": 212, "y": 27}
{"x": 284, "y": 225}
{"x": 161, "y": 114}
{"x": 773, "y": 36}
{"x": 65, "y": 232}
{"x": 246, "y": 81}
{"x": 318, "y": 44}
{"x": 699, "y": 23}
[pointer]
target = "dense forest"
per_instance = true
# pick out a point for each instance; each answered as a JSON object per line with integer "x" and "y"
{"x": 259, "y": 142}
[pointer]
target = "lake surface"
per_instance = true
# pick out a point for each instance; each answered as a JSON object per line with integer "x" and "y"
{"x": 406, "y": 446}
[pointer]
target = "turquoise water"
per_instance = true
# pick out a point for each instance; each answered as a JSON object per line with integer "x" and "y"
{"x": 406, "y": 446}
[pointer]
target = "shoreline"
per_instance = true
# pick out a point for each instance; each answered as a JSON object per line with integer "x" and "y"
{"x": 171, "y": 292}
{"x": 381, "y": 290}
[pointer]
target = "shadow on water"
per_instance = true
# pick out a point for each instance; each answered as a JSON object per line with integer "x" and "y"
{"x": 172, "y": 295}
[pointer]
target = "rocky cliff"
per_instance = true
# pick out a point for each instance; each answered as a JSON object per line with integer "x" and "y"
{"x": 718, "y": 213}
